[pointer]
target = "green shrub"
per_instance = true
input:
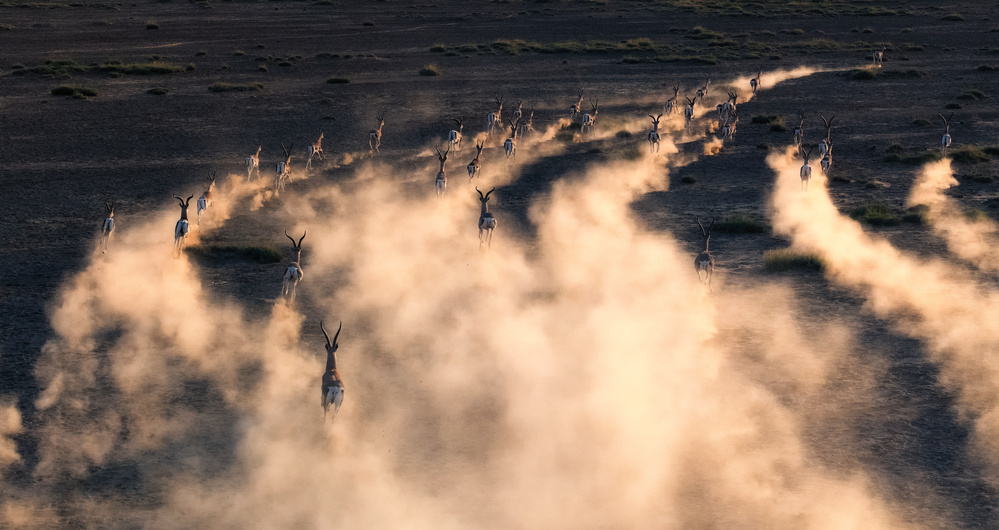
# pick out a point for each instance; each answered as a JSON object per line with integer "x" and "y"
{"x": 220, "y": 86}
{"x": 152, "y": 24}
{"x": 155, "y": 67}
{"x": 874, "y": 213}
{"x": 974, "y": 215}
{"x": 785, "y": 259}
{"x": 78, "y": 92}
{"x": 438, "y": 48}
{"x": 740, "y": 224}
{"x": 969, "y": 155}
{"x": 861, "y": 74}
{"x": 916, "y": 214}
{"x": 430, "y": 70}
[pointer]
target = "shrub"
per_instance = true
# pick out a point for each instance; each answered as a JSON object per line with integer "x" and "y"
{"x": 430, "y": 70}
{"x": 874, "y": 213}
{"x": 152, "y": 24}
{"x": 740, "y": 224}
{"x": 688, "y": 180}
{"x": 220, "y": 86}
{"x": 200, "y": 53}
{"x": 919, "y": 122}
{"x": 158, "y": 91}
{"x": 78, "y": 92}
{"x": 438, "y": 48}
{"x": 338, "y": 80}
{"x": 953, "y": 17}
{"x": 916, "y": 214}
{"x": 256, "y": 253}
{"x": 622, "y": 134}
{"x": 262, "y": 68}
{"x": 969, "y": 155}
{"x": 987, "y": 68}
{"x": 155, "y": 67}
{"x": 952, "y": 106}
{"x": 785, "y": 259}
{"x": 861, "y": 74}
{"x": 975, "y": 215}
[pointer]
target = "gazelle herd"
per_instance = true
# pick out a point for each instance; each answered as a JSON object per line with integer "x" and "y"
{"x": 520, "y": 122}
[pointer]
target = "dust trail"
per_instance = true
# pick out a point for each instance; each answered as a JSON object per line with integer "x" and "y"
{"x": 931, "y": 300}
{"x": 972, "y": 240}
{"x": 10, "y": 425}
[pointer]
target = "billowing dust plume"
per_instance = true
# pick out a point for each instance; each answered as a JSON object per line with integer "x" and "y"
{"x": 930, "y": 299}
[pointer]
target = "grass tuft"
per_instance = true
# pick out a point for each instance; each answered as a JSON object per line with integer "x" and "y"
{"x": 77, "y": 92}
{"x": 152, "y": 24}
{"x": 875, "y": 213}
{"x": 254, "y": 253}
{"x": 221, "y": 86}
{"x": 157, "y": 91}
{"x": 740, "y": 224}
{"x": 953, "y": 17}
{"x": 916, "y": 214}
{"x": 975, "y": 215}
{"x": 785, "y": 259}
{"x": 430, "y": 70}
{"x": 861, "y": 74}
{"x": 154, "y": 67}
{"x": 969, "y": 155}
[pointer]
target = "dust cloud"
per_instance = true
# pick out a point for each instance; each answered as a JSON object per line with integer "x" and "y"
{"x": 930, "y": 299}
{"x": 581, "y": 378}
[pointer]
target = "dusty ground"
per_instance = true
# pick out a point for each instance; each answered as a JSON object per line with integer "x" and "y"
{"x": 62, "y": 157}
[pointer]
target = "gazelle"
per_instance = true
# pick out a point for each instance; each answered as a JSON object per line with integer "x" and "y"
{"x": 454, "y": 135}
{"x": 316, "y": 149}
{"x": 181, "y": 228}
{"x": 806, "y": 170}
{"x": 727, "y": 110}
{"x": 578, "y": 107}
{"x": 473, "y": 166}
{"x": 205, "y": 200}
{"x": 107, "y": 228}
{"x": 518, "y": 112}
{"x": 827, "y": 141}
{"x": 283, "y": 169}
{"x": 945, "y": 140}
{"x": 495, "y": 118}
{"x": 670, "y": 107}
{"x": 826, "y": 161}
{"x": 375, "y": 135}
{"x": 799, "y": 129}
{"x": 441, "y": 182}
{"x": 589, "y": 119}
{"x": 332, "y": 385}
{"x": 879, "y": 57}
{"x": 754, "y": 83}
{"x": 704, "y": 261}
{"x": 510, "y": 145}
{"x": 688, "y": 111}
{"x": 527, "y": 126}
{"x": 487, "y": 223}
{"x": 253, "y": 162}
{"x": 293, "y": 273}
{"x": 701, "y": 92}
{"x": 728, "y": 128}
{"x": 654, "y": 134}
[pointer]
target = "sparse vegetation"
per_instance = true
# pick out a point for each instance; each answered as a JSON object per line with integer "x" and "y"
{"x": 157, "y": 91}
{"x": 430, "y": 70}
{"x": 77, "y": 92}
{"x": 688, "y": 180}
{"x": 952, "y": 106}
{"x": 969, "y": 154}
{"x": 916, "y": 214}
{"x": 953, "y": 17}
{"x": 988, "y": 68}
{"x": 897, "y": 153}
{"x": 786, "y": 259}
{"x": 740, "y": 224}
{"x": 875, "y": 213}
{"x": 920, "y": 122}
{"x": 155, "y": 67}
{"x": 256, "y": 253}
{"x": 861, "y": 74}
{"x": 775, "y": 122}
{"x": 338, "y": 81}
{"x": 152, "y": 24}
{"x": 622, "y": 134}
{"x": 221, "y": 86}
{"x": 974, "y": 214}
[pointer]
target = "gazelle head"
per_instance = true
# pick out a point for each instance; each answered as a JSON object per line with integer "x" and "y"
{"x": 946, "y": 122}
{"x": 287, "y": 153}
{"x": 109, "y": 205}
{"x": 655, "y": 121}
{"x": 211, "y": 180}
{"x": 331, "y": 346}
{"x": 381, "y": 121}
{"x": 296, "y": 246}
{"x": 801, "y": 118}
{"x": 733, "y": 96}
{"x": 530, "y": 116}
{"x": 459, "y": 121}
{"x": 593, "y": 106}
{"x": 499, "y": 101}
{"x": 442, "y": 157}
{"x": 690, "y": 102}
{"x": 259, "y": 147}
{"x": 805, "y": 154}
{"x": 705, "y": 234}
{"x": 513, "y": 126}
{"x": 183, "y": 205}
{"x": 483, "y": 199}
{"x": 478, "y": 149}
{"x": 676, "y": 90}
{"x": 322, "y": 134}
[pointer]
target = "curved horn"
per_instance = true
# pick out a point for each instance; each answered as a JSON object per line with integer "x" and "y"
{"x": 337, "y": 333}
{"x": 289, "y": 237}
{"x": 188, "y": 201}
{"x": 299, "y": 245}
{"x": 480, "y": 193}
{"x": 328, "y": 344}
{"x": 488, "y": 193}
{"x": 698, "y": 219}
